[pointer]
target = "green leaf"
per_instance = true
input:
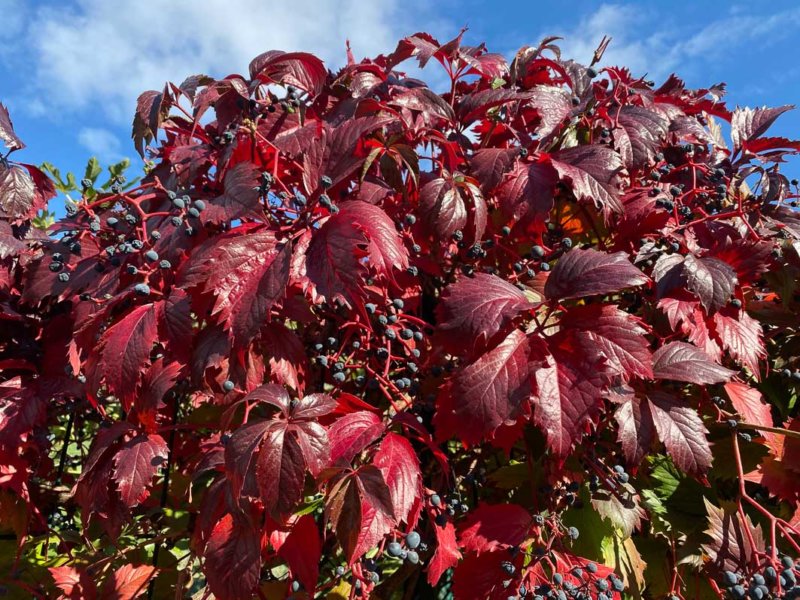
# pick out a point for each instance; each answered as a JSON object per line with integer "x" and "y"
{"x": 93, "y": 169}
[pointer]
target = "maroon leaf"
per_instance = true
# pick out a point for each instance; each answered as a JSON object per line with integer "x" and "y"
{"x": 429, "y": 103}
{"x": 749, "y": 403}
{"x": 553, "y": 104}
{"x": 593, "y": 172}
{"x": 488, "y": 165}
{"x": 741, "y": 335}
{"x": 683, "y": 362}
{"x": 399, "y": 464}
{"x": 247, "y": 273}
{"x": 730, "y": 547}
{"x": 7, "y": 134}
{"x": 9, "y": 244}
{"x": 350, "y": 434}
{"x": 474, "y": 310}
{"x": 492, "y": 391}
{"x": 682, "y": 432}
{"x": 333, "y": 259}
{"x": 302, "y": 551}
{"x": 299, "y": 69}
{"x": 636, "y": 430}
{"x": 17, "y": 193}
{"x": 590, "y": 272}
{"x": 124, "y": 350}
{"x": 617, "y": 337}
{"x": 386, "y": 249}
{"x": 359, "y": 506}
{"x": 527, "y": 192}
{"x": 750, "y": 123}
{"x": 150, "y": 110}
{"x": 446, "y": 204}
{"x": 639, "y": 134}
{"x": 240, "y": 198}
{"x": 233, "y": 559}
{"x": 710, "y": 279}
{"x": 492, "y": 527}
{"x": 128, "y": 582}
{"x": 135, "y": 465}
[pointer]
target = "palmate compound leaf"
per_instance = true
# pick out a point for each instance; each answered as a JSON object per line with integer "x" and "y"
{"x": 489, "y": 392}
{"x": 680, "y": 361}
{"x": 474, "y": 310}
{"x": 589, "y": 272}
{"x": 247, "y": 272}
{"x": 359, "y": 507}
{"x": 270, "y": 458}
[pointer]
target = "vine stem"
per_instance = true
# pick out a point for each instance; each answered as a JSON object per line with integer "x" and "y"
{"x": 62, "y": 458}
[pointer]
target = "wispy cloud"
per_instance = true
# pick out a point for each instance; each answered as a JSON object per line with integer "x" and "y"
{"x": 102, "y": 143}
{"x": 96, "y": 53}
{"x": 645, "y": 41}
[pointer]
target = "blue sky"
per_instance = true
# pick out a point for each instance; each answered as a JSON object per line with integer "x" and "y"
{"x": 70, "y": 70}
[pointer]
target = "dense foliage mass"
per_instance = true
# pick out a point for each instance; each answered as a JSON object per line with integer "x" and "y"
{"x": 535, "y": 336}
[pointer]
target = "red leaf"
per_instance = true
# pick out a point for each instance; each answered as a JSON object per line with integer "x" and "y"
{"x": 491, "y": 391}
{"x": 750, "y": 123}
{"x": 553, "y": 104}
{"x": 593, "y": 171}
{"x": 446, "y": 206}
{"x": 446, "y": 555}
{"x": 741, "y": 335}
{"x": 730, "y": 547}
{"x": 247, "y": 273}
{"x": 710, "y": 279}
{"x": 240, "y": 198}
{"x": 488, "y": 165}
{"x": 302, "y": 551}
{"x": 614, "y": 335}
{"x": 526, "y": 193}
{"x": 386, "y": 250}
{"x": 682, "y": 432}
{"x": 636, "y": 428}
{"x": 683, "y": 362}
{"x": 750, "y": 406}
{"x": 351, "y": 433}
{"x": 128, "y": 582}
{"x": 492, "y": 527}
{"x": 590, "y": 272}
{"x": 474, "y": 310}
{"x": 17, "y": 193}
{"x": 124, "y": 350}
{"x": 74, "y": 584}
{"x": 299, "y": 69}
{"x": 359, "y": 507}
{"x": 399, "y": 464}
{"x": 7, "y": 134}
{"x": 639, "y": 135}
{"x": 135, "y": 465}
{"x": 233, "y": 559}
{"x": 333, "y": 259}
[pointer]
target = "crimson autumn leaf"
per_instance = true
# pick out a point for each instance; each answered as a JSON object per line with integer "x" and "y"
{"x": 639, "y": 134}
{"x": 300, "y": 69}
{"x": 526, "y": 193}
{"x": 447, "y": 554}
{"x": 240, "y": 197}
{"x": 351, "y": 433}
{"x": 683, "y": 362}
{"x": 247, "y": 272}
{"x": 122, "y": 353}
{"x": 302, "y": 550}
{"x": 553, "y": 104}
{"x": 447, "y": 204}
{"x": 385, "y": 249}
{"x": 73, "y": 584}
{"x": 636, "y": 430}
{"x": 490, "y": 392}
{"x": 288, "y": 445}
{"x": 749, "y": 403}
{"x": 333, "y": 259}
{"x": 710, "y": 279}
{"x": 473, "y": 310}
{"x": 16, "y": 193}
{"x": 127, "y": 582}
{"x": 488, "y": 165}
{"x": 589, "y": 272}
{"x": 429, "y": 103}
{"x": 399, "y": 464}
{"x": 359, "y": 507}
{"x": 681, "y": 430}
{"x": 593, "y": 173}
{"x": 747, "y": 124}
{"x": 233, "y": 559}
{"x": 7, "y": 133}
{"x": 492, "y": 527}
{"x": 135, "y": 465}
{"x": 617, "y": 336}
{"x": 151, "y": 107}
{"x": 741, "y": 336}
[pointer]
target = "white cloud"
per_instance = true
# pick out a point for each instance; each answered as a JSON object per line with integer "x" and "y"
{"x": 101, "y": 53}
{"x": 101, "y": 143}
{"x": 645, "y": 41}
